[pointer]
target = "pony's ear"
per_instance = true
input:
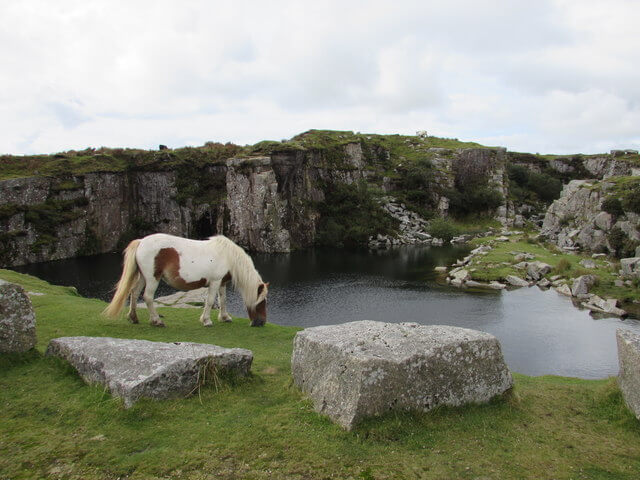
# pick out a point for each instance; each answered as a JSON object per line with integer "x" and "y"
{"x": 266, "y": 284}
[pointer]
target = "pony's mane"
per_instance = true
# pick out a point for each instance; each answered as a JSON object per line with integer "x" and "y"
{"x": 244, "y": 275}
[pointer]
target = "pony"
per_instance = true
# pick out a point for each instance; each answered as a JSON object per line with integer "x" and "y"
{"x": 186, "y": 265}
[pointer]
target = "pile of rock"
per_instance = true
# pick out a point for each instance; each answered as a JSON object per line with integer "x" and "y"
{"x": 412, "y": 227}
{"x": 579, "y": 292}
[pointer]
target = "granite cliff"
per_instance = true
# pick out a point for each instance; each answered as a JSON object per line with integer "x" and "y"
{"x": 268, "y": 197}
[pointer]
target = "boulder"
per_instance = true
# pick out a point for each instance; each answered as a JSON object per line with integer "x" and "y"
{"x": 516, "y": 281}
{"x": 563, "y": 290}
{"x": 582, "y": 284}
{"x": 544, "y": 283}
{"x": 629, "y": 361}
{"x": 630, "y": 266}
{"x": 17, "y": 319}
{"x": 132, "y": 369}
{"x": 537, "y": 270}
{"x": 587, "y": 263}
{"x": 361, "y": 369}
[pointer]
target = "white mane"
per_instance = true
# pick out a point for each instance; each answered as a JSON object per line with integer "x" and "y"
{"x": 244, "y": 275}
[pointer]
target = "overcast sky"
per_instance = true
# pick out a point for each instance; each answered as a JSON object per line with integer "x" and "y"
{"x": 557, "y": 76}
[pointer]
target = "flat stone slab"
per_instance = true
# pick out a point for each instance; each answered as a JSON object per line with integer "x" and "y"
{"x": 366, "y": 368}
{"x": 17, "y": 319}
{"x": 132, "y": 369}
{"x": 629, "y": 361}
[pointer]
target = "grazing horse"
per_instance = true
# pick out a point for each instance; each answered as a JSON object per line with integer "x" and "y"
{"x": 186, "y": 265}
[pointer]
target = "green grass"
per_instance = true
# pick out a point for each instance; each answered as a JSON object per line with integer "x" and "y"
{"x": 54, "y": 426}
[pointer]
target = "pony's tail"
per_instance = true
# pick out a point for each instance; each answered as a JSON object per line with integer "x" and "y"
{"x": 126, "y": 282}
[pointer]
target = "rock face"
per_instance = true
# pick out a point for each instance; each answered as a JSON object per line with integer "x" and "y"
{"x": 576, "y": 220}
{"x": 629, "y": 376}
{"x": 132, "y": 369}
{"x": 17, "y": 319}
{"x": 362, "y": 369}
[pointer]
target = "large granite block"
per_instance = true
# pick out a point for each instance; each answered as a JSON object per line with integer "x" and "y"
{"x": 366, "y": 368}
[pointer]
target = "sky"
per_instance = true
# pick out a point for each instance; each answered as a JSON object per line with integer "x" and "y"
{"x": 547, "y": 76}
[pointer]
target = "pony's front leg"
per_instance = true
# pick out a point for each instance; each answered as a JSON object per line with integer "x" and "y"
{"x": 223, "y": 315}
{"x": 149, "y": 292}
{"x": 205, "y": 318}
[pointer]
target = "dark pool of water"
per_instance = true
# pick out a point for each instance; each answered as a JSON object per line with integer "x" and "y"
{"x": 541, "y": 332}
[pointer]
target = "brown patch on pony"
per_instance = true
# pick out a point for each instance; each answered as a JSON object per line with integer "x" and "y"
{"x": 226, "y": 279}
{"x": 167, "y": 266}
{"x": 260, "y": 288}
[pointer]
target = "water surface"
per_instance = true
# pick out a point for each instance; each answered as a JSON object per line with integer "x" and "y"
{"x": 541, "y": 332}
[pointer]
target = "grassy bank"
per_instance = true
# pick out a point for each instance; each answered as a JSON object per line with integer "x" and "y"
{"x": 500, "y": 261}
{"x": 52, "y": 425}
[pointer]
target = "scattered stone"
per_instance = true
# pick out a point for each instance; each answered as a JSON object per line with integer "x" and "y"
{"x": 630, "y": 266}
{"x": 17, "y": 319}
{"x": 586, "y": 263}
{"x": 362, "y": 369}
{"x": 502, "y": 239}
{"x": 521, "y": 257}
{"x": 544, "y": 283}
{"x": 563, "y": 290}
{"x": 555, "y": 277}
{"x": 496, "y": 285}
{"x": 537, "y": 270}
{"x": 440, "y": 269}
{"x": 618, "y": 283}
{"x": 629, "y": 376}
{"x": 516, "y": 281}
{"x": 132, "y": 369}
{"x": 461, "y": 274}
{"x": 582, "y": 284}
{"x": 609, "y": 306}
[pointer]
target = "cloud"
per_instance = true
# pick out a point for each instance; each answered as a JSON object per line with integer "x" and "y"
{"x": 558, "y": 76}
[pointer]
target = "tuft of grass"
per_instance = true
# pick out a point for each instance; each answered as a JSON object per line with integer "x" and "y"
{"x": 53, "y": 425}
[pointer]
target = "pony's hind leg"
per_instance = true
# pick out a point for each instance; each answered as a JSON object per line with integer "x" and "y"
{"x": 223, "y": 315}
{"x": 149, "y": 292}
{"x": 133, "y": 299}
{"x": 205, "y": 318}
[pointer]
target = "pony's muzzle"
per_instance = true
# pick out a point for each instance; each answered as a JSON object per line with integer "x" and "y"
{"x": 258, "y": 315}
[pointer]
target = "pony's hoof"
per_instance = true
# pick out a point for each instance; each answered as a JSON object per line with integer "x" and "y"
{"x": 208, "y": 323}
{"x": 159, "y": 323}
{"x": 225, "y": 319}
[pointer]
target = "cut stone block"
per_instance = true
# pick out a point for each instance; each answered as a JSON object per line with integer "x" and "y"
{"x": 132, "y": 369}
{"x": 629, "y": 361}
{"x": 17, "y": 319}
{"x": 366, "y": 368}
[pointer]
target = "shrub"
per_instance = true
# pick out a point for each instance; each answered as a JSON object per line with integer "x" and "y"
{"x": 562, "y": 266}
{"x": 443, "y": 228}
{"x": 631, "y": 199}
{"x": 617, "y": 239}
{"x": 475, "y": 199}
{"x": 613, "y": 206}
{"x": 350, "y": 215}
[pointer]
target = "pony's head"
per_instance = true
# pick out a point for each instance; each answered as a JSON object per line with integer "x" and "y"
{"x": 258, "y": 311}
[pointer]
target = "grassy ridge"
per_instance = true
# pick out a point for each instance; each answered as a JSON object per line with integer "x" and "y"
{"x": 52, "y": 425}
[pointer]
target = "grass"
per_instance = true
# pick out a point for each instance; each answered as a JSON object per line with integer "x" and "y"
{"x": 54, "y": 426}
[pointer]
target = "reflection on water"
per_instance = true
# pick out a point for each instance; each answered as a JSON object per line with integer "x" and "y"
{"x": 540, "y": 331}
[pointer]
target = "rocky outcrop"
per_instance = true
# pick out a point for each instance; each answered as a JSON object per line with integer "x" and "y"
{"x": 362, "y": 369}
{"x": 577, "y": 220}
{"x": 17, "y": 319}
{"x": 132, "y": 369}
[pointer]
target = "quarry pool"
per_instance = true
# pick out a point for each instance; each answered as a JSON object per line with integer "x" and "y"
{"x": 541, "y": 332}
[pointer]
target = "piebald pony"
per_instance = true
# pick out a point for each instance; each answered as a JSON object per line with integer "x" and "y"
{"x": 186, "y": 265}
